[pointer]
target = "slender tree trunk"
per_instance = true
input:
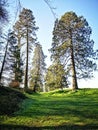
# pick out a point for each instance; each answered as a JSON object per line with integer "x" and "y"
{"x": 19, "y": 39}
{"x": 74, "y": 78}
{"x": 26, "y": 69}
{"x": 35, "y": 85}
{"x": 3, "y": 63}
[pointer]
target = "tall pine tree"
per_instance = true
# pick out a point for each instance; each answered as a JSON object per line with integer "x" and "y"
{"x": 72, "y": 43}
{"x": 38, "y": 69}
{"x": 4, "y": 56}
{"x": 14, "y": 61}
{"x": 26, "y": 30}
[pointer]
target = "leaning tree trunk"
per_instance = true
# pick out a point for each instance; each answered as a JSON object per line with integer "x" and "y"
{"x": 74, "y": 77}
{"x": 3, "y": 63}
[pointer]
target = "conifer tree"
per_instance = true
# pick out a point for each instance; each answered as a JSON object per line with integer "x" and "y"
{"x": 72, "y": 43}
{"x": 14, "y": 61}
{"x": 56, "y": 77}
{"x": 38, "y": 69}
{"x": 3, "y": 55}
{"x": 26, "y": 30}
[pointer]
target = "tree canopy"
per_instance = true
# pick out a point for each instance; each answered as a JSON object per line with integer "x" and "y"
{"x": 72, "y": 43}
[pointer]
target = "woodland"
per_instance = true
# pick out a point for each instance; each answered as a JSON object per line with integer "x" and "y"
{"x": 36, "y": 96}
{"x": 23, "y": 60}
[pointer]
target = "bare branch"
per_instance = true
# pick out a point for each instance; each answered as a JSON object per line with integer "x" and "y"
{"x": 18, "y": 9}
{"x": 50, "y": 7}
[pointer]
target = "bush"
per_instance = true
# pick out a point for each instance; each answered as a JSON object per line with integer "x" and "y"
{"x": 14, "y": 84}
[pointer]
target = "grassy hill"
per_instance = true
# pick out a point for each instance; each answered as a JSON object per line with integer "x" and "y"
{"x": 56, "y": 110}
{"x": 9, "y": 100}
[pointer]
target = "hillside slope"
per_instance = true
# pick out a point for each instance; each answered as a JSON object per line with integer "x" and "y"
{"x": 57, "y": 110}
{"x": 9, "y": 100}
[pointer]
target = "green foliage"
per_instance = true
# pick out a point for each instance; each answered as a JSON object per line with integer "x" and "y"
{"x": 25, "y": 29}
{"x": 14, "y": 60}
{"x": 38, "y": 69}
{"x": 72, "y": 44}
{"x": 56, "y": 77}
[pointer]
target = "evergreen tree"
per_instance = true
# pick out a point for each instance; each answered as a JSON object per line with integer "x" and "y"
{"x": 55, "y": 44}
{"x": 56, "y": 77}
{"x": 18, "y": 33}
{"x": 26, "y": 25}
{"x": 4, "y": 56}
{"x": 72, "y": 43}
{"x": 14, "y": 61}
{"x": 38, "y": 69}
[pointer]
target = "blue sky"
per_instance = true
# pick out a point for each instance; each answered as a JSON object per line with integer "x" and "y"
{"x": 45, "y": 21}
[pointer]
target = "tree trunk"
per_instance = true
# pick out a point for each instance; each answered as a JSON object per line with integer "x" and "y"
{"x": 74, "y": 77}
{"x": 26, "y": 69}
{"x": 35, "y": 85}
{"x": 19, "y": 43}
{"x": 34, "y": 89}
{"x": 3, "y": 63}
{"x": 18, "y": 63}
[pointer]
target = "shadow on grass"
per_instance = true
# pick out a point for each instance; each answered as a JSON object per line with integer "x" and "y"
{"x": 64, "y": 127}
{"x": 58, "y": 108}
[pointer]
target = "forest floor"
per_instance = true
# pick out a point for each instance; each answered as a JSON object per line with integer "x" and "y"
{"x": 56, "y": 110}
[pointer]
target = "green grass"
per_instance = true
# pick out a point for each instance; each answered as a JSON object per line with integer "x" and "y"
{"x": 57, "y": 110}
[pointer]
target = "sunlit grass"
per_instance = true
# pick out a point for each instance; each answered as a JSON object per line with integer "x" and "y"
{"x": 61, "y": 109}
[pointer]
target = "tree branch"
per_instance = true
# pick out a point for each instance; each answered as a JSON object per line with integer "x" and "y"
{"x": 50, "y": 7}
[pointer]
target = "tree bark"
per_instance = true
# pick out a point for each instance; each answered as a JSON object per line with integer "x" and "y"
{"x": 3, "y": 63}
{"x": 19, "y": 41}
{"x": 35, "y": 85}
{"x": 26, "y": 69}
{"x": 74, "y": 77}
